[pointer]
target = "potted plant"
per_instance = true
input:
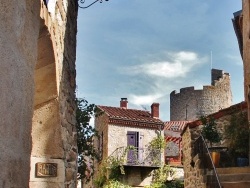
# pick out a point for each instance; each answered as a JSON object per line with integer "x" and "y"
{"x": 211, "y": 134}
{"x": 237, "y": 135}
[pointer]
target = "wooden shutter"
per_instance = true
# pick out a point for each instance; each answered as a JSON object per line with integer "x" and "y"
{"x": 131, "y": 137}
{"x": 132, "y": 141}
{"x": 140, "y": 147}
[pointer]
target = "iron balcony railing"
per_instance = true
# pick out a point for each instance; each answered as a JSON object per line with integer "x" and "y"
{"x": 134, "y": 156}
{"x": 209, "y": 170}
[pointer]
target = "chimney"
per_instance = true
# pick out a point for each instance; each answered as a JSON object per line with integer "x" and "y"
{"x": 124, "y": 103}
{"x": 155, "y": 110}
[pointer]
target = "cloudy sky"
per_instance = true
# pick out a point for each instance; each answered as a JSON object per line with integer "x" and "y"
{"x": 145, "y": 49}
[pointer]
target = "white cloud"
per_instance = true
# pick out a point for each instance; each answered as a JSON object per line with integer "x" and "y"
{"x": 144, "y": 99}
{"x": 179, "y": 65}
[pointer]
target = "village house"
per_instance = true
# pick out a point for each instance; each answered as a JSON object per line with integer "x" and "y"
{"x": 173, "y": 150}
{"x": 120, "y": 128}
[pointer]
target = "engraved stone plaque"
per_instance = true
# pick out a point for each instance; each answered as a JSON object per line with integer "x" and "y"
{"x": 46, "y": 170}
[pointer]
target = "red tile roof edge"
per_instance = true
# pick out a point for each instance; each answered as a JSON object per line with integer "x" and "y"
{"x": 181, "y": 124}
{"x": 103, "y": 106}
{"x": 217, "y": 115}
{"x": 142, "y": 124}
{"x": 150, "y": 120}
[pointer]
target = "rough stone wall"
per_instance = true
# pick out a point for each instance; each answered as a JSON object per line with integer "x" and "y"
{"x": 193, "y": 176}
{"x": 54, "y": 132}
{"x": 244, "y": 27}
{"x": 101, "y": 125}
{"x": 246, "y": 49}
{"x": 37, "y": 78}
{"x": 18, "y": 35}
{"x": 67, "y": 87}
{"x": 190, "y": 104}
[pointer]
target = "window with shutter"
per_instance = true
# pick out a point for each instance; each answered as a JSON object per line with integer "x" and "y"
{"x": 135, "y": 139}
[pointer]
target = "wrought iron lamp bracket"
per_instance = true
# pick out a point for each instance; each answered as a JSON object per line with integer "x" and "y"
{"x": 81, "y": 3}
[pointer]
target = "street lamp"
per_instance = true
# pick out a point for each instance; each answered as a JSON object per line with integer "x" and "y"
{"x": 81, "y": 2}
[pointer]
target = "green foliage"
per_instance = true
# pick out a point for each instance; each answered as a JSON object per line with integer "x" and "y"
{"x": 164, "y": 178}
{"x": 162, "y": 174}
{"x": 115, "y": 167}
{"x": 175, "y": 184}
{"x": 156, "y": 185}
{"x": 102, "y": 177}
{"x": 116, "y": 184}
{"x": 85, "y": 133}
{"x": 237, "y": 133}
{"x": 158, "y": 143}
{"x": 172, "y": 184}
{"x": 109, "y": 171}
{"x": 209, "y": 130}
{"x": 112, "y": 170}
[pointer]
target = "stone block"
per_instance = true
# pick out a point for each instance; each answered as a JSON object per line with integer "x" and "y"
{"x": 70, "y": 174}
{"x": 46, "y": 131}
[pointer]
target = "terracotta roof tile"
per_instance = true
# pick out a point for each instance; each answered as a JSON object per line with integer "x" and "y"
{"x": 175, "y": 125}
{"x": 138, "y": 117}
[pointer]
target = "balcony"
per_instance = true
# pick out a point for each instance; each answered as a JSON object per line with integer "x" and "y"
{"x": 141, "y": 157}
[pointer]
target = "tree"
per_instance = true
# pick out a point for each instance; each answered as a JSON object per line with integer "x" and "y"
{"x": 209, "y": 130}
{"x": 85, "y": 133}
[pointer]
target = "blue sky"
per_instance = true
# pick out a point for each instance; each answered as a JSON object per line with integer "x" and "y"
{"x": 143, "y": 50}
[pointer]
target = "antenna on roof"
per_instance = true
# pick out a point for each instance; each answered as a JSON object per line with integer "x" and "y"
{"x": 211, "y": 60}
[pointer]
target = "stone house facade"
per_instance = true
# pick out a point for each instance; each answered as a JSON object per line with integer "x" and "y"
{"x": 119, "y": 127}
{"x": 189, "y": 104}
{"x": 37, "y": 83}
{"x": 193, "y": 174}
{"x": 173, "y": 150}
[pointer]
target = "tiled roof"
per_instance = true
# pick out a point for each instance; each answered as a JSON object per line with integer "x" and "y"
{"x": 130, "y": 117}
{"x": 175, "y": 125}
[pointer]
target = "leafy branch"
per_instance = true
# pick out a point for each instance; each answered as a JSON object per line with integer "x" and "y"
{"x": 85, "y": 133}
{"x": 209, "y": 130}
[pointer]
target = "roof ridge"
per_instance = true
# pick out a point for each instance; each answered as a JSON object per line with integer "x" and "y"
{"x": 123, "y": 108}
{"x": 129, "y": 114}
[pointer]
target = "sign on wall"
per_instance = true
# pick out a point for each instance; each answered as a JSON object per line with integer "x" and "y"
{"x": 46, "y": 170}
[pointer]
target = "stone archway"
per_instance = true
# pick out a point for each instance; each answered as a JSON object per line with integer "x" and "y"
{"x": 47, "y": 146}
{"x": 54, "y": 152}
{"x": 37, "y": 84}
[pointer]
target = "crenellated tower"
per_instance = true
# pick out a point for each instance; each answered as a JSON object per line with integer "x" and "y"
{"x": 190, "y": 104}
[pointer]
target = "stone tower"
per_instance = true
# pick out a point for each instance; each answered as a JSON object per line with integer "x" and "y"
{"x": 189, "y": 104}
